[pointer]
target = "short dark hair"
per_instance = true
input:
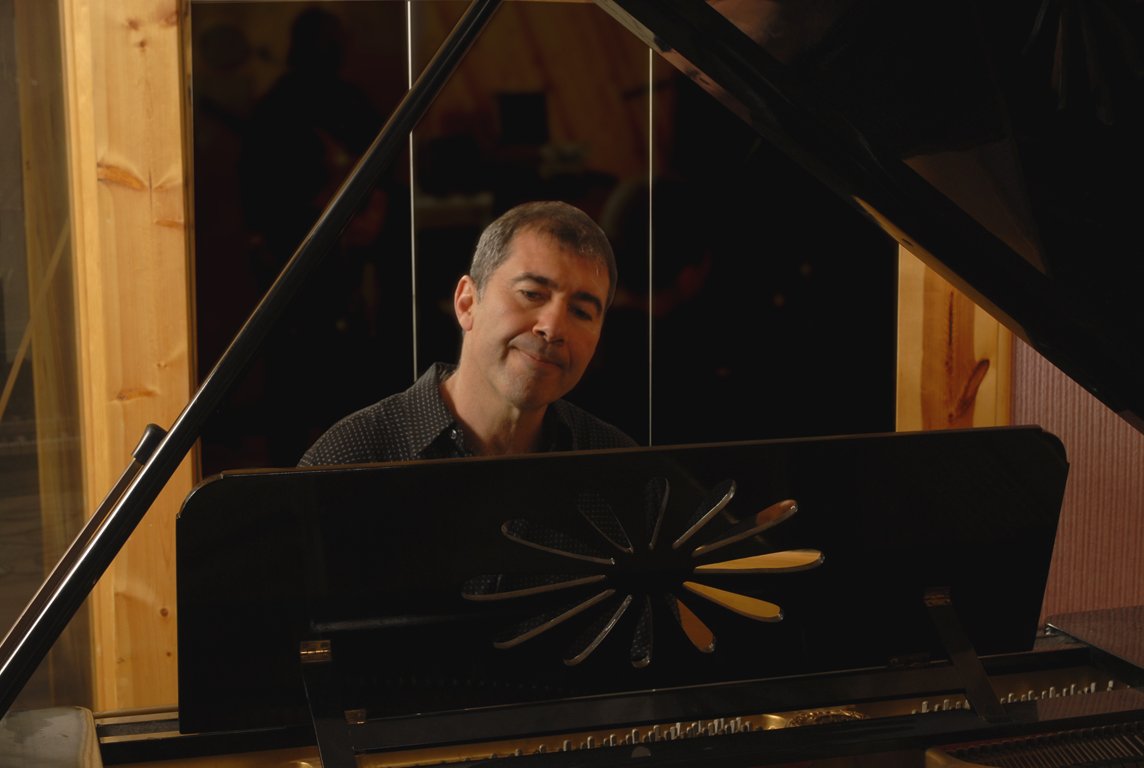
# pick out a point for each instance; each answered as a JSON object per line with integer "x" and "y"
{"x": 566, "y": 223}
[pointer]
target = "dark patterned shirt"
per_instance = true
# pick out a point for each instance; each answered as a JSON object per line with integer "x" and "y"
{"x": 416, "y": 424}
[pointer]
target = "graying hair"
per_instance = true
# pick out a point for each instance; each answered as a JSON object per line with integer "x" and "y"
{"x": 570, "y": 226}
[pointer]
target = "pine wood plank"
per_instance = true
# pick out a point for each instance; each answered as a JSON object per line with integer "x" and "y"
{"x": 126, "y": 102}
{"x": 954, "y": 360}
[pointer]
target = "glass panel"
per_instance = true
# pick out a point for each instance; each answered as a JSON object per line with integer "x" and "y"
{"x": 764, "y": 281}
{"x": 40, "y": 472}
{"x": 549, "y": 119}
{"x": 286, "y": 98}
{"x": 743, "y": 282}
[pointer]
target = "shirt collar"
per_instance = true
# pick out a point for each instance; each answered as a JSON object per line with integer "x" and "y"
{"x": 438, "y": 435}
{"x": 434, "y": 431}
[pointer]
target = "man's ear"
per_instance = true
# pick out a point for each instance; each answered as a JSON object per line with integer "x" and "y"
{"x": 464, "y": 299}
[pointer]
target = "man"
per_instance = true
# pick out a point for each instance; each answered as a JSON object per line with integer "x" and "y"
{"x": 531, "y": 310}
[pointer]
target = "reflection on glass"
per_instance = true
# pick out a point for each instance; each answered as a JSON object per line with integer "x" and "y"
{"x": 718, "y": 498}
{"x": 546, "y": 539}
{"x": 41, "y": 470}
{"x": 591, "y": 637}
{"x": 751, "y": 607}
{"x": 642, "y": 637}
{"x": 656, "y": 493}
{"x": 767, "y": 518}
{"x": 693, "y": 627}
{"x": 773, "y": 562}
{"x": 597, "y": 511}
{"x": 642, "y": 574}
{"x": 531, "y": 627}
{"x": 503, "y": 586}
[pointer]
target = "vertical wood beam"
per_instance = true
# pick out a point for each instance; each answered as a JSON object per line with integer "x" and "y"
{"x": 126, "y": 103}
{"x": 955, "y": 366}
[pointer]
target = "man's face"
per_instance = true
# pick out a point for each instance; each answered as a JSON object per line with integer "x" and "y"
{"x": 533, "y": 329}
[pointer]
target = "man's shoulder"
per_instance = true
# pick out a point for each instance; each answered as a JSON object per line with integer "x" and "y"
{"x": 366, "y": 435}
{"x": 394, "y": 428}
{"x": 590, "y": 432}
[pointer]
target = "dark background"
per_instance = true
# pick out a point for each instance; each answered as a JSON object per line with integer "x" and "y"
{"x": 772, "y": 303}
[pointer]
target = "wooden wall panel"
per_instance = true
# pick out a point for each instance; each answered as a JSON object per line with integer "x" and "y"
{"x": 954, "y": 359}
{"x": 125, "y": 100}
{"x": 1096, "y": 561}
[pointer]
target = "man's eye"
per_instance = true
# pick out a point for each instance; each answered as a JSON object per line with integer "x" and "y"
{"x": 583, "y": 314}
{"x": 530, "y": 295}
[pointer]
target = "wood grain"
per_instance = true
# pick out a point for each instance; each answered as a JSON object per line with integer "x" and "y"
{"x": 51, "y": 337}
{"x": 954, "y": 360}
{"x": 125, "y": 103}
{"x": 1095, "y": 563}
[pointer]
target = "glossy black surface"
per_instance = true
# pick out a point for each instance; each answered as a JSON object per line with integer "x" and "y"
{"x": 1116, "y": 631}
{"x": 379, "y": 561}
{"x": 1000, "y": 142}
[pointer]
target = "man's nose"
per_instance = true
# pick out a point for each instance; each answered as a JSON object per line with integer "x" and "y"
{"x": 549, "y": 323}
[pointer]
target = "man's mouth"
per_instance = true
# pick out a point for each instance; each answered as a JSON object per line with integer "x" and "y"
{"x": 541, "y": 356}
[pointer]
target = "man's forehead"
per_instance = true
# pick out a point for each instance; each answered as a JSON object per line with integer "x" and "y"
{"x": 537, "y": 253}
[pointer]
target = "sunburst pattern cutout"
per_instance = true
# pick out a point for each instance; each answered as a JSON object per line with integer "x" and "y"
{"x": 628, "y": 576}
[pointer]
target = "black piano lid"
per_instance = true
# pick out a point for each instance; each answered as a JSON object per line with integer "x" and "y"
{"x": 1000, "y": 142}
{"x": 376, "y": 558}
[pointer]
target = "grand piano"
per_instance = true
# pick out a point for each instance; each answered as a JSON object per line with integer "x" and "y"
{"x": 1056, "y": 266}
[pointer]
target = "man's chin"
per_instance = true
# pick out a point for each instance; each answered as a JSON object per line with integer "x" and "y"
{"x": 537, "y": 385}
{"x": 538, "y": 396}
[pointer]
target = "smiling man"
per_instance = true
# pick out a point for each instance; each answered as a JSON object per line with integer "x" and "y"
{"x": 531, "y": 311}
